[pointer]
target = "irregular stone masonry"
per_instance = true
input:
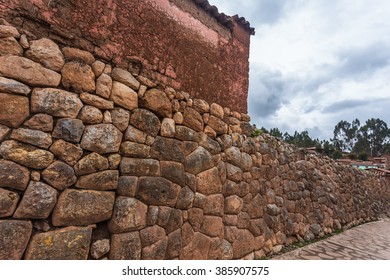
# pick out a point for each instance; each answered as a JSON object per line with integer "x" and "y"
{"x": 97, "y": 163}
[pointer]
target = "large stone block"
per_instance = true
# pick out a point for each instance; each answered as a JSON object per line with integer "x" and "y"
{"x": 214, "y": 205}
{"x": 55, "y": 102}
{"x": 66, "y": 151}
{"x": 173, "y": 171}
{"x": 9, "y": 46}
{"x": 101, "y": 138}
{"x": 70, "y": 243}
{"x": 135, "y": 150}
{"x": 125, "y": 246}
{"x": 33, "y": 137}
{"x": 151, "y": 235}
{"x": 14, "y": 87}
{"x": 193, "y": 119}
{"x": 171, "y": 149}
{"x": 104, "y": 86}
{"x": 156, "y": 101}
{"x": 37, "y": 203}
{"x": 197, "y": 249}
{"x": 100, "y": 181}
{"x": 157, "y": 191}
{"x": 198, "y": 161}
{"x": 146, "y": 121}
{"x": 212, "y": 226}
{"x": 208, "y": 182}
{"x": 16, "y": 110}
{"x": 243, "y": 244}
{"x": 26, "y": 155}
{"x": 13, "y": 175}
{"x": 59, "y": 175}
{"x": 28, "y": 72}
{"x": 129, "y": 215}
{"x": 139, "y": 167}
{"x": 91, "y": 163}
{"x": 156, "y": 251}
{"x": 78, "y": 77}
{"x": 96, "y": 101}
{"x": 14, "y": 237}
{"x": 124, "y": 96}
{"x": 69, "y": 130}
{"x": 78, "y": 55}
{"x": 125, "y": 77}
{"x": 82, "y": 207}
{"x": 8, "y": 202}
{"x": 41, "y": 122}
{"x": 47, "y": 53}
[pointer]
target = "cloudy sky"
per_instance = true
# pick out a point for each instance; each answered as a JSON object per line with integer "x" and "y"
{"x": 316, "y": 62}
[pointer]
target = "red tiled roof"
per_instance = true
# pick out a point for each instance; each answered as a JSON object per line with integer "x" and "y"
{"x": 223, "y": 18}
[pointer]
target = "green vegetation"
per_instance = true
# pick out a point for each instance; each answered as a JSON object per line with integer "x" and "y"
{"x": 361, "y": 141}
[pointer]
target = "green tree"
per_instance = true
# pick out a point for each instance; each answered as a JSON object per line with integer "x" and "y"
{"x": 345, "y": 135}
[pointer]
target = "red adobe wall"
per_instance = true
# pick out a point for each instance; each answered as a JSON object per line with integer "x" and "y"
{"x": 178, "y": 43}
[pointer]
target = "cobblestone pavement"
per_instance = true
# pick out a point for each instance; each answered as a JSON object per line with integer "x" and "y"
{"x": 366, "y": 242}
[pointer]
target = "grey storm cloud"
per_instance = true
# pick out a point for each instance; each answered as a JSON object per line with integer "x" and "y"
{"x": 362, "y": 60}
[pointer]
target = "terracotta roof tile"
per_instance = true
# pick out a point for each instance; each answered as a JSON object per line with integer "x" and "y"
{"x": 223, "y": 18}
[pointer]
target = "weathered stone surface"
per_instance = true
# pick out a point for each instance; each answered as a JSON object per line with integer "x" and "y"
{"x": 33, "y": 137}
{"x": 145, "y": 121}
{"x": 82, "y": 207}
{"x": 157, "y": 191}
{"x": 243, "y": 243}
{"x": 136, "y": 150}
{"x": 78, "y": 55}
{"x": 151, "y": 235}
{"x": 13, "y": 175}
{"x": 55, "y": 102}
{"x": 195, "y": 218}
{"x": 156, "y": 101}
{"x": 120, "y": 118}
{"x": 233, "y": 156}
{"x": 139, "y": 167}
{"x": 69, "y": 130}
{"x": 78, "y": 77}
{"x": 171, "y": 149}
{"x": 47, "y": 53}
{"x": 8, "y": 202}
{"x": 99, "y": 248}
{"x": 197, "y": 248}
{"x": 24, "y": 41}
{"x": 125, "y": 77}
{"x": 210, "y": 132}
{"x": 101, "y": 138}
{"x": 125, "y": 246}
{"x": 37, "y": 203}
{"x": 129, "y": 215}
{"x": 185, "y": 198}
{"x": 90, "y": 115}
{"x": 218, "y": 125}
{"x": 16, "y": 111}
{"x": 198, "y": 161}
{"x": 127, "y": 186}
{"x": 8, "y": 31}
{"x": 96, "y": 101}
{"x": 173, "y": 171}
{"x": 124, "y": 96}
{"x": 185, "y": 134}
{"x": 212, "y": 226}
{"x": 201, "y": 106}
{"x": 193, "y": 119}
{"x": 14, "y": 237}
{"x": 208, "y": 182}
{"x": 66, "y": 151}
{"x": 100, "y": 181}
{"x": 135, "y": 135}
{"x": 98, "y": 68}
{"x": 70, "y": 243}
{"x": 41, "y": 122}
{"x": 4, "y": 130}
{"x": 233, "y": 173}
{"x": 178, "y": 117}
{"x": 25, "y": 154}
{"x": 217, "y": 110}
{"x": 104, "y": 86}
{"x": 59, "y": 175}
{"x": 28, "y": 72}
{"x": 113, "y": 161}
{"x": 90, "y": 164}
{"x": 168, "y": 128}
{"x": 156, "y": 251}
{"x": 209, "y": 144}
{"x": 9, "y": 46}
{"x": 14, "y": 87}
{"x": 214, "y": 205}
{"x": 174, "y": 245}
{"x": 234, "y": 204}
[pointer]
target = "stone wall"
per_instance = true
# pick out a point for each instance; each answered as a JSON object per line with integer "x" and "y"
{"x": 185, "y": 44}
{"x": 98, "y": 163}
